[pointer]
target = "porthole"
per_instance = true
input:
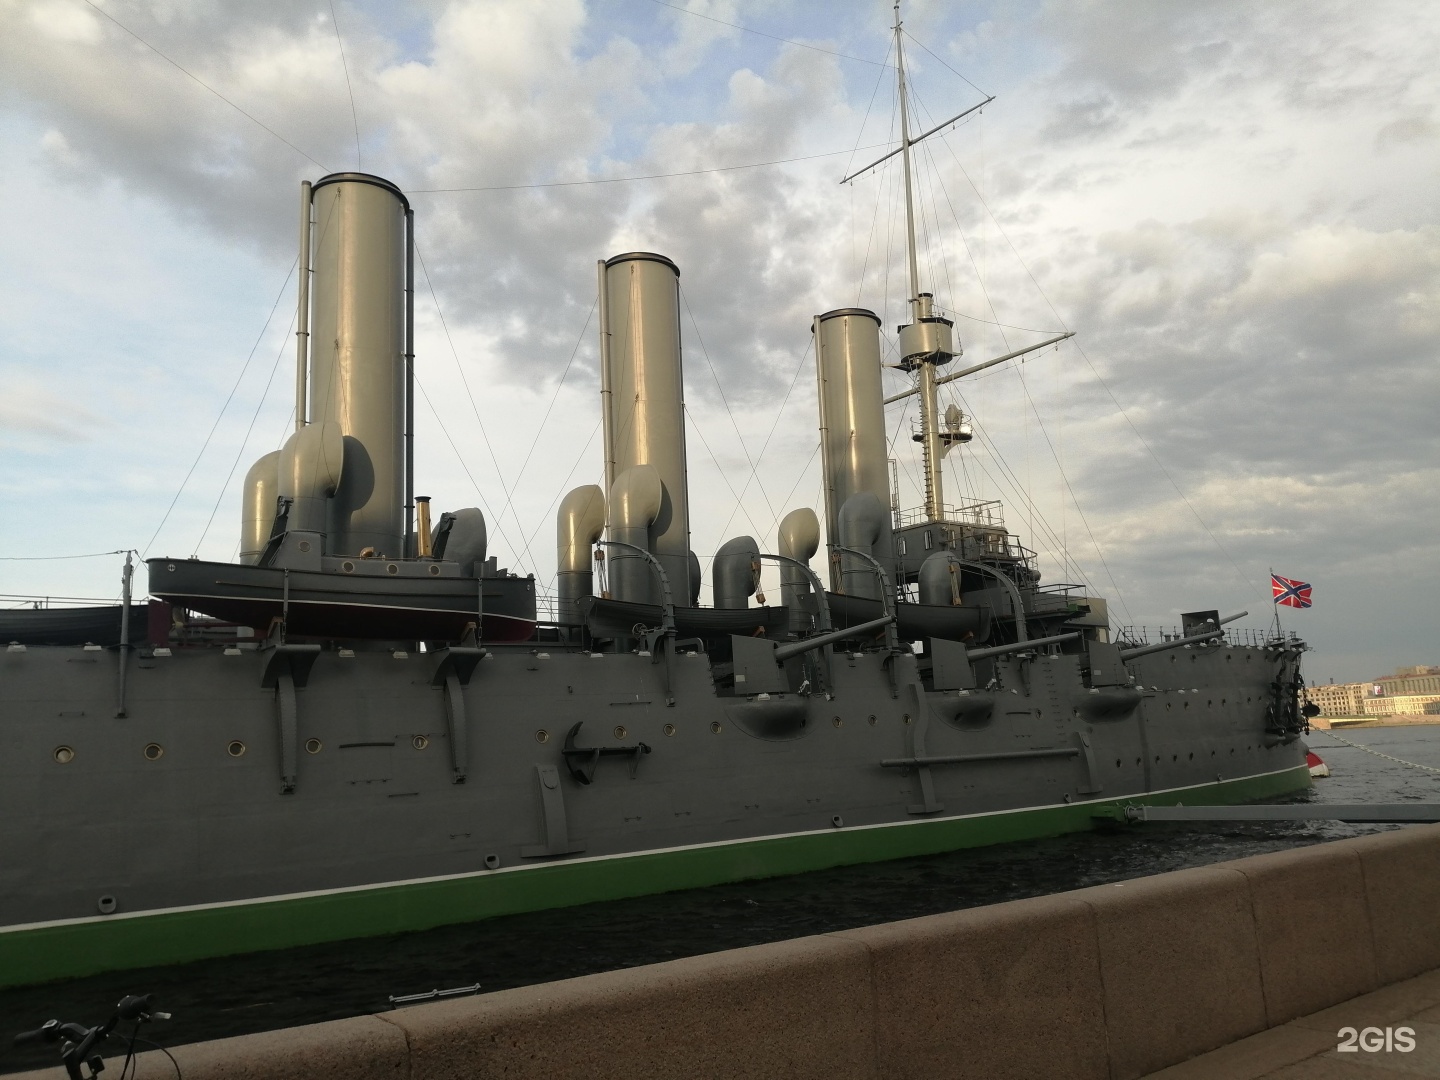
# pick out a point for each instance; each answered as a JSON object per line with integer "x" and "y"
{"x": 420, "y": 742}
{"x": 669, "y": 729}
{"x": 236, "y": 748}
{"x": 716, "y": 727}
{"x": 153, "y": 751}
{"x": 348, "y": 566}
{"x": 170, "y": 568}
{"x": 492, "y": 862}
{"x": 905, "y": 718}
{"x": 620, "y": 731}
{"x": 313, "y": 746}
{"x": 392, "y": 569}
{"x": 542, "y": 735}
{"x": 106, "y": 905}
{"x": 872, "y": 719}
{"x": 434, "y": 570}
{"x": 836, "y": 721}
{"x": 64, "y": 754}
{"x": 837, "y": 821}
{"x": 304, "y": 545}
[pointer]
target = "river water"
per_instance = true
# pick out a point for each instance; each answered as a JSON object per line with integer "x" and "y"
{"x": 233, "y": 996}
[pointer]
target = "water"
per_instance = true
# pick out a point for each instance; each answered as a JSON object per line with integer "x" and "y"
{"x": 217, "y": 998}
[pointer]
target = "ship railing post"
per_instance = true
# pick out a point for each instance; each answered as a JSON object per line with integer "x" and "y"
{"x": 125, "y": 578}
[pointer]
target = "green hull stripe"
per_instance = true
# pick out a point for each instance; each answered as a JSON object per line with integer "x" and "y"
{"x": 64, "y": 950}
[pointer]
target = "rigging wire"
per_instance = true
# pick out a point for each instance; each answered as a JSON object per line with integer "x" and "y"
{"x": 548, "y": 409}
{"x": 499, "y": 478}
{"x": 203, "y": 83}
{"x": 754, "y": 473}
{"x": 345, "y": 67}
{"x": 545, "y": 517}
{"x": 647, "y": 176}
{"x": 774, "y": 425}
{"x": 54, "y": 558}
{"x": 459, "y": 456}
{"x": 279, "y": 355}
{"x": 772, "y": 37}
{"x": 221, "y": 416}
{"x": 718, "y": 467}
{"x": 866, "y": 118}
{"x": 992, "y": 322}
{"x": 1245, "y": 579}
{"x": 1020, "y": 374}
{"x": 942, "y": 63}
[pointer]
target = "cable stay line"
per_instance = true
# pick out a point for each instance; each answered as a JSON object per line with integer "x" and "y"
{"x": 544, "y": 518}
{"x": 345, "y": 67}
{"x": 1247, "y": 580}
{"x": 794, "y": 380}
{"x": 279, "y": 355}
{"x": 58, "y": 558}
{"x": 191, "y": 75}
{"x": 539, "y": 430}
{"x": 631, "y": 179}
{"x": 937, "y": 180}
{"x": 942, "y": 63}
{"x": 754, "y": 471}
{"x": 229, "y": 398}
{"x": 518, "y": 553}
{"x": 690, "y": 416}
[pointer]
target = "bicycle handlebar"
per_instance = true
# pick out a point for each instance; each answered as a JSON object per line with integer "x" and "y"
{"x": 52, "y": 1031}
{"x": 133, "y": 1006}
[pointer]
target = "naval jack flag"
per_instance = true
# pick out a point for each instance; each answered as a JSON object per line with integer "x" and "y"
{"x": 1288, "y": 592}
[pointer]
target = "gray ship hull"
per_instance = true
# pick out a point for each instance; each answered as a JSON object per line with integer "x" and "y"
{"x": 714, "y": 787}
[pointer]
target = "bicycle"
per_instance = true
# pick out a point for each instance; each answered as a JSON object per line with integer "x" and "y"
{"x": 78, "y": 1043}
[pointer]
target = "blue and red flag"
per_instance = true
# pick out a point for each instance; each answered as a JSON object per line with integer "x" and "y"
{"x": 1289, "y": 592}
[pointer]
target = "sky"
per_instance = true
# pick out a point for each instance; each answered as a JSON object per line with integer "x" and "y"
{"x": 1232, "y": 205}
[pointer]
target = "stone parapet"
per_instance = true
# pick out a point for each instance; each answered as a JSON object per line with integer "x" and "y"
{"x": 1112, "y": 982}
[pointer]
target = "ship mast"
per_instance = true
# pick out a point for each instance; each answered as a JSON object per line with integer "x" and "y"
{"x": 920, "y": 309}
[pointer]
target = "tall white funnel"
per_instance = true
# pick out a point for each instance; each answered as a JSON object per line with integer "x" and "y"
{"x": 852, "y": 418}
{"x": 644, "y": 401}
{"x": 357, "y": 361}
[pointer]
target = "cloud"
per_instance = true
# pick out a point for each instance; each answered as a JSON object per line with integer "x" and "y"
{"x": 29, "y": 411}
{"x": 1238, "y": 218}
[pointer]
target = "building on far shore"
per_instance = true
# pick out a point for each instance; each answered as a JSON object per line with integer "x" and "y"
{"x": 1411, "y": 691}
{"x": 1338, "y": 699}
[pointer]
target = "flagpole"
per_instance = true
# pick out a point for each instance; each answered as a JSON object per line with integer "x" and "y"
{"x": 1275, "y": 603}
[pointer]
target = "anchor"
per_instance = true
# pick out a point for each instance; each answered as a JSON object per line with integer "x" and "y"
{"x": 581, "y": 760}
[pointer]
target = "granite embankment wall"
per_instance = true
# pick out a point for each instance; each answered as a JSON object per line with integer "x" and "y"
{"x": 1110, "y": 982}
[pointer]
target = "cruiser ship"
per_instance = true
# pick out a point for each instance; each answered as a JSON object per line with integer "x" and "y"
{"x": 367, "y": 726}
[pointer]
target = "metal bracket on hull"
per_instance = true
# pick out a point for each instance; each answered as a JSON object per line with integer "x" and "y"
{"x": 453, "y": 673}
{"x": 920, "y": 723}
{"x": 287, "y": 668}
{"x": 552, "y": 803}
{"x": 1092, "y": 774}
{"x": 581, "y": 760}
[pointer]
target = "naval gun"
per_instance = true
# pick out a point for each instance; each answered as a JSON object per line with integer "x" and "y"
{"x": 759, "y": 661}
